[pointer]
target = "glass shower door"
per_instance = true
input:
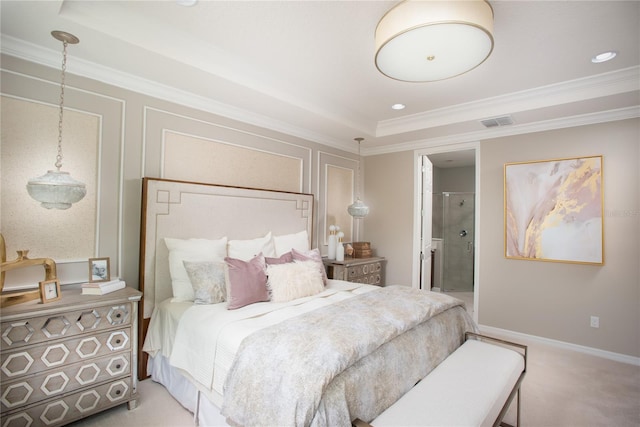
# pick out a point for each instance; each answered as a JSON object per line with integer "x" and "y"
{"x": 458, "y": 233}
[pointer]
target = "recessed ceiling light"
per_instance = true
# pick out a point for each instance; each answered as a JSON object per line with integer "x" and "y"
{"x": 604, "y": 57}
{"x": 398, "y": 106}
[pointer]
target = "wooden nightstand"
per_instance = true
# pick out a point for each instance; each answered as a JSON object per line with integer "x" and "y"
{"x": 360, "y": 270}
{"x": 68, "y": 359}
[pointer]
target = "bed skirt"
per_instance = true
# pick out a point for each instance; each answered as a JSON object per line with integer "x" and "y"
{"x": 205, "y": 413}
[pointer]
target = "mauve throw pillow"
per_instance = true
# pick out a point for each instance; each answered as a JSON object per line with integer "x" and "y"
{"x": 246, "y": 281}
{"x": 282, "y": 259}
{"x": 313, "y": 254}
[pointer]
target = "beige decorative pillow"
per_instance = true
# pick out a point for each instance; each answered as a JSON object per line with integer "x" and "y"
{"x": 208, "y": 281}
{"x": 293, "y": 280}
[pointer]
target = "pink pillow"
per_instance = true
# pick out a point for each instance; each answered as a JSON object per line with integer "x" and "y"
{"x": 282, "y": 259}
{"x": 246, "y": 281}
{"x": 314, "y": 255}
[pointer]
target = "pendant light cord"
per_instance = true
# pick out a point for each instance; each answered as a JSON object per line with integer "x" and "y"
{"x": 61, "y": 112}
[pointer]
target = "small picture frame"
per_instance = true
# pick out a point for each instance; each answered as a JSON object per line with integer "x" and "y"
{"x": 99, "y": 270}
{"x": 50, "y": 290}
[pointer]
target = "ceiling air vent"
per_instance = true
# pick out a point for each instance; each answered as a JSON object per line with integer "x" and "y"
{"x": 497, "y": 121}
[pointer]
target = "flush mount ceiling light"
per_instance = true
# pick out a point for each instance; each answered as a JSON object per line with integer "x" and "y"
{"x": 603, "y": 57}
{"x": 56, "y": 189}
{"x": 425, "y": 41}
{"x": 398, "y": 106}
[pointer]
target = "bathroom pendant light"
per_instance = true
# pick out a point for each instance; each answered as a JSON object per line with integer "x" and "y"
{"x": 57, "y": 189}
{"x": 358, "y": 209}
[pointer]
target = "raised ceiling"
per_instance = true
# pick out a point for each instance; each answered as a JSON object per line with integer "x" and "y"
{"x": 307, "y": 67}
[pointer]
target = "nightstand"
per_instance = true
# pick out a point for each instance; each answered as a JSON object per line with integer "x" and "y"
{"x": 68, "y": 359}
{"x": 360, "y": 270}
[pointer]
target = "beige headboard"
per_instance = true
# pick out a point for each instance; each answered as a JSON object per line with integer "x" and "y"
{"x": 193, "y": 210}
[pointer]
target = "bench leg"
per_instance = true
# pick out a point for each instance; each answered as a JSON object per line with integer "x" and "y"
{"x": 503, "y": 424}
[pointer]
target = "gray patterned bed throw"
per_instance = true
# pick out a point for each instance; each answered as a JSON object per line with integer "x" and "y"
{"x": 351, "y": 359}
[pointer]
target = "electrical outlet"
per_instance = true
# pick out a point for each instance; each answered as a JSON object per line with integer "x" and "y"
{"x": 595, "y": 322}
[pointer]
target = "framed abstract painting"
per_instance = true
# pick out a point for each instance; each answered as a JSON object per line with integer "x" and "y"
{"x": 553, "y": 210}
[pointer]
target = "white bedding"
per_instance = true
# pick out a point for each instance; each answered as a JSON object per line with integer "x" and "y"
{"x": 206, "y": 333}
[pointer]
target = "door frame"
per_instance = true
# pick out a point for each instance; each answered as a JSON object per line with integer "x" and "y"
{"x": 417, "y": 213}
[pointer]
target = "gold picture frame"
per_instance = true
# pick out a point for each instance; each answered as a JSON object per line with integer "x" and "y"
{"x": 554, "y": 210}
{"x": 50, "y": 290}
{"x": 99, "y": 270}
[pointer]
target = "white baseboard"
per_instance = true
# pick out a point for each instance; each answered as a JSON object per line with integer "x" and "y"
{"x": 561, "y": 344}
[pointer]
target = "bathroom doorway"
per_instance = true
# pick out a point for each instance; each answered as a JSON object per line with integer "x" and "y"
{"x": 458, "y": 234}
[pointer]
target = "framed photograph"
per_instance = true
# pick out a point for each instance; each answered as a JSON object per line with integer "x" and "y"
{"x": 50, "y": 290}
{"x": 99, "y": 270}
{"x": 553, "y": 210}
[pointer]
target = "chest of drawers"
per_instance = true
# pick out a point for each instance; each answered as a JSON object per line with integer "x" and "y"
{"x": 68, "y": 359}
{"x": 360, "y": 270}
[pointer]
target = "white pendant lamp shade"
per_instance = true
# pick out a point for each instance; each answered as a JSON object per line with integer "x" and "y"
{"x": 424, "y": 41}
{"x": 358, "y": 209}
{"x": 56, "y": 189}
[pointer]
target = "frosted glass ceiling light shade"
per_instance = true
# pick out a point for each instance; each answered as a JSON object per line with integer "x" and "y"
{"x": 425, "y": 41}
{"x": 56, "y": 189}
{"x": 358, "y": 209}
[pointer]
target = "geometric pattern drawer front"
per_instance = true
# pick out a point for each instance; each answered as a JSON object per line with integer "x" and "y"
{"x": 19, "y": 333}
{"x": 65, "y": 409}
{"x": 60, "y": 354}
{"x": 65, "y": 379}
{"x": 370, "y": 273}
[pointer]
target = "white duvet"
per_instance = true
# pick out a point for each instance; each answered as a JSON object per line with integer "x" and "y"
{"x": 202, "y": 340}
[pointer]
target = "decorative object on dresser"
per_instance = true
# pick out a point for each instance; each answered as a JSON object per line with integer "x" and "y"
{"x": 340, "y": 248}
{"x": 102, "y": 288}
{"x": 50, "y": 290}
{"x": 20, "y": 296}
{"x": 362, "y": 249}
{"x": 99, "y": 270}
{"x": 66, "y": 360}
{"x": 360, "y": 270}
{"x": 333, "y": 229}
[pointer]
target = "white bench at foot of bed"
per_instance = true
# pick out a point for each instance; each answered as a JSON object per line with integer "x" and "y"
{"x": 474, "y": 386}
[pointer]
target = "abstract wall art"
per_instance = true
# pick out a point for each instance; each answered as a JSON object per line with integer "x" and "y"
{"x": 553, "y": 210}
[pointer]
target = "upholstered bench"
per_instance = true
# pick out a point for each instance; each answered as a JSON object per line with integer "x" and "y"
{"x": 474, "y": 386}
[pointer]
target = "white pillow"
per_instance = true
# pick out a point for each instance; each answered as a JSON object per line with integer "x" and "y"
{"x": 245, "y": 250}
{"x": 292, "y": 280}
{"x": 195, "y": 250}
{"x": 298, "y": 241}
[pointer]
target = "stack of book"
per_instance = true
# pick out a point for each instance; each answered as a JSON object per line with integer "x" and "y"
{"x": 101, "y": 288}
{"x": 361, "y": 249}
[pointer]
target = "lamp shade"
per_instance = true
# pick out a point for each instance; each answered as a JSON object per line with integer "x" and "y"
{"x": 423, "y": 41}
{"x": 358, "y": 209}
{"x": 56, "y": 190}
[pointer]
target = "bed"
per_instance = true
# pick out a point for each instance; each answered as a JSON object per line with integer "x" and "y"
{"x": 312, "y": 351}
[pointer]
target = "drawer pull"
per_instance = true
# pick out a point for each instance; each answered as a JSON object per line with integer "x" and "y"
{"x": 118, "y": 366}
{"x": 118, "y": 391}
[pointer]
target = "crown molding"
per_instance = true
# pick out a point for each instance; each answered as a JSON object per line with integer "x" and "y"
{"x": 560, "y": 123}
{"x": 611, "y": 83}
{"x": 49, "y": 58}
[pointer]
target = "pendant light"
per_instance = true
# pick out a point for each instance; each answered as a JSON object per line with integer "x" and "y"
{"x": 56, "y": 189}
{"x": 358, "y": 209}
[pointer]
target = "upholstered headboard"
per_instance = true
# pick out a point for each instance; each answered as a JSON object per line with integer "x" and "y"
{"x": 194, "y": 210}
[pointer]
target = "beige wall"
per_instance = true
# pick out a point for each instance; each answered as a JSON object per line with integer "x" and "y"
{"x": 143, "y": 136}
{"x": 549, "y": 300}
{"x": 389, "y": 225}
{"x": 556, "y": 300}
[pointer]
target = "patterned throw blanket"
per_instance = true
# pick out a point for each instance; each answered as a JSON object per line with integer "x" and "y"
{"x": 295, "y": 373}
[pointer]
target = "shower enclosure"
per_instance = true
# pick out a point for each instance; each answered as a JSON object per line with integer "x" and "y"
{"x": 458, "y": 219}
